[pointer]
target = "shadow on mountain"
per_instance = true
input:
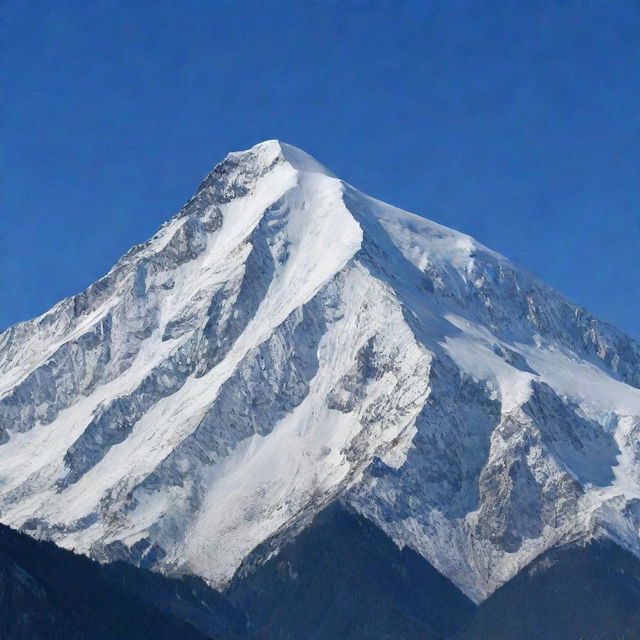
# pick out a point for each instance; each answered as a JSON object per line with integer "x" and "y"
{"x": 342, "y": 577}
{"x": 48, "y": 593}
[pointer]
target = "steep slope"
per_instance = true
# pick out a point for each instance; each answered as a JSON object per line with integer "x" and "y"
{"x": 343, "y": 578}
{"x": 286, "y": 340}
{"x": 50, "y": 593}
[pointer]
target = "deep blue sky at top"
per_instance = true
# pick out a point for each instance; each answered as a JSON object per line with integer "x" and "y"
{"x": 516, "y": 122}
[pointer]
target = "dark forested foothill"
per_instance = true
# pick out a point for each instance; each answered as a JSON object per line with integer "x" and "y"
{"x": 340, "y": 578}
{"x": 50, "y": 593}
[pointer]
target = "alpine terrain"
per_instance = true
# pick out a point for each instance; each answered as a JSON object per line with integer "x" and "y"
{"x": 288, "y": 354}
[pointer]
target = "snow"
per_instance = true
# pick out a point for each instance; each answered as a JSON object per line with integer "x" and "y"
{"x": 269, "y": 480}
{"x": 596, "y": 391}
{"x": 473, "y": 353}
{"x": 311, "y": 227}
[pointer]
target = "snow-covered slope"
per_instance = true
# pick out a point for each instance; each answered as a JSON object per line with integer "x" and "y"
{"x": 286, "y": 341}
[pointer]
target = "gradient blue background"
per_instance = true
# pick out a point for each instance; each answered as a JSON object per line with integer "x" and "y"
{"x": 516, "y": 122}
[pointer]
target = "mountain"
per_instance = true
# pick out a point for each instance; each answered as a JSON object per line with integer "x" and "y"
{"x": 48, "y": 593}
{"x": 286, "y": 342}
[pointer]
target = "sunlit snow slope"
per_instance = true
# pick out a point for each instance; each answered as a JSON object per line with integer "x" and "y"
{"x": 286, "y": 341}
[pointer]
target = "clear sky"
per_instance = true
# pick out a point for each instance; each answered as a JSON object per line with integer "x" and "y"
{"x": 515, "y": 122}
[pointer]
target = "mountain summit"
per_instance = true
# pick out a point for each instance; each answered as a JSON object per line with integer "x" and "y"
{"x": 286, "y": 342}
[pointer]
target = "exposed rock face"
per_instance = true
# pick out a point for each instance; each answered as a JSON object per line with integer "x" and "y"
{"x": 286, "y": 340}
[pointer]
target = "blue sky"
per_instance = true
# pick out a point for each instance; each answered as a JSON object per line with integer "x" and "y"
{"x": 516, "y": 122}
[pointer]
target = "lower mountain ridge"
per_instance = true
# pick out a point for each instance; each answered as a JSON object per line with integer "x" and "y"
{"x": 586, "y": 591}
{"x": 48, "y": 593}
{"x": 341, "y": 578}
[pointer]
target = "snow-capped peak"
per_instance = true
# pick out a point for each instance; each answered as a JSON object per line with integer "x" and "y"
{"x": 285, "y": 341}
{"x": 297, "y": 158}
